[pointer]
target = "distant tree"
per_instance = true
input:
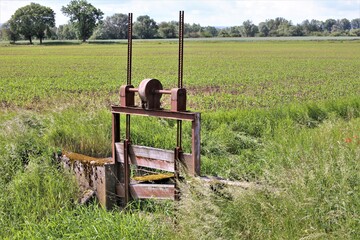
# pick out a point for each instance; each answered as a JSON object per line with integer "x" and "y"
{"x": 100, "y": 33}
{"x": 115, "y": 26}
{"x": 296, "y": 30}
{"x": 316, "y": 25}
{"x": 355, "y": 23}
{"x": 355, "y": 32}
{"x": 313, "y": 26}
{"x": 273, "y": 26}
{"x": 235, "y": 31}
{"x": 193, "y": 31}
{"x": 7, "y": 33}
{"x": 263, "y": 29}
{"x": 224, "y": 33}
{"x": 32, "y": 20}
{"x": 328, "y": 24}
{"x": 344, "y": 24}
{"x": 279, "y": 21}
{"x": 84, "y": 16}
{"x": 209, "y": 31}
{"x": 145, "y": 27}
{"x": 270, "y": 23}
{"x": 168, "y": 29}
{"x": 284, "y": 29}
{"x": 51, "y": 33}
{"x": 249, "y": 29}
{"x": 66, "y": 32}
{"x": 336, "y": 29}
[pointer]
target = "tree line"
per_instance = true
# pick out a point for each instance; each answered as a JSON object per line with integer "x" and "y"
{"x": 86, "y": 22}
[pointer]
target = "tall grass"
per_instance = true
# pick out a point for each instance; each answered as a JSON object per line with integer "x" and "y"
{"x": 33, "y": 188}
{"x": 289, "y": 123}
{"x": 311, "y": 192}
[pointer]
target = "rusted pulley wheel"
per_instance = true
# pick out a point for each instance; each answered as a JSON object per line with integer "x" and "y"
{"x": 149, "y": 93}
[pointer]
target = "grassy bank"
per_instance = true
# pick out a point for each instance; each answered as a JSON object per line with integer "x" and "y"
{"x": 283, "y": 116}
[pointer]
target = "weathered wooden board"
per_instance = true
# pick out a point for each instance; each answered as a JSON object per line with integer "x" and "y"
{"x": 146, "y": 191}
{"x": 151, "y": 157}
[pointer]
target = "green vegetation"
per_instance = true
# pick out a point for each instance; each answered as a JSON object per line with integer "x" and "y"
{"x": 283, "y": 115}
{"x": 31, "y": 20}
{"x": 83, "y": 16}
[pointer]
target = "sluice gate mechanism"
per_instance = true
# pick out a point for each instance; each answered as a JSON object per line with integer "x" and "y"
{"x": 113, "y": 180}
{"x": 125, "y": 154}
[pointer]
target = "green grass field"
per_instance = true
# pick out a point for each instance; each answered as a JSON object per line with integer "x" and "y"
{"x": 284, "y": 114}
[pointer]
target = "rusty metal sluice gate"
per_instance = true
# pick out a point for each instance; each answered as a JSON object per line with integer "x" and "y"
{"x": 125, "y": 154}
{"x": 111, "y": 179}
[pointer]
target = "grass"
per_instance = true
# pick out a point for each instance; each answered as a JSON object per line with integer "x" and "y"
{"x": 218, "y": 75}
{"x": 284, "y": 115}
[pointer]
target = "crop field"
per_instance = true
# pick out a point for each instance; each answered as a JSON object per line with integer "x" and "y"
{"x": 283, "y": 115}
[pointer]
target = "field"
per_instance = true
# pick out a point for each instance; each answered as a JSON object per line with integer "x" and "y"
{"x": 282, "y": 114}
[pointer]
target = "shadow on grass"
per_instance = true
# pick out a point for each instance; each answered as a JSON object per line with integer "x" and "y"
{"x": 120, "y": 41}
{"x": 64, "y": 42}
{"x": 60, "y": 43}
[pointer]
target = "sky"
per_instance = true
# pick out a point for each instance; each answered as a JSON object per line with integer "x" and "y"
{"x": 207, "y": 12}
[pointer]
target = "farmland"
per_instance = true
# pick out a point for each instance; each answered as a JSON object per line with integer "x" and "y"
{"x": 283, "y": 114}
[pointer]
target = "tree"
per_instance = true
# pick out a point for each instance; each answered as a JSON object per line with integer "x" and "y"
{"x": 355, "y": 23}
{"x": 168, "y": 29}
{"x": 328, "y": 24}
{"x": 32, "y": 20}
{"x": 283, "y": 29}
{"x": 8, "y": 34}
{"x": 355, "y": 31}
{"x": 224, "y": 33}
{"x": 145, "y": 27}
{"x": 210, "y": 31}
{"x": 313, "y": 26}
{"x": 235, "y": 31}
{"x": 50, "y": 33}
{"x": 84, "y": 16}
{"x": 116, "y": 26}
{"x": 345, "y": 24}
{"x": 66, "y": 31}
{"x": 296, "y": 30}
{"x": 273, "y": 26}
{"x": 193, "y": 31}
{"x": 249, "y": 29}
{"x": 263, "y": 29}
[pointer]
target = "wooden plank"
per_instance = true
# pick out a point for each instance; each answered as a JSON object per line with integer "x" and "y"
{"x": 148, "y": 152}
{"x": 153, "y": 153}
{"x": 154, "y": 163}
{"x": 157, "y": 191}
{"x": 151, "y": 157}
{"x": 146, "y": 191}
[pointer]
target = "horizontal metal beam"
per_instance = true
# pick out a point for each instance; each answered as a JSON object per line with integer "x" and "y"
{"x": 187, "y": 116}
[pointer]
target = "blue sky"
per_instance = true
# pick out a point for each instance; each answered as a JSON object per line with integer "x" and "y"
{"x": 207, "y": 12}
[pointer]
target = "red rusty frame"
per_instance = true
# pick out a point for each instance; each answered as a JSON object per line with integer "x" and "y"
{"x": 125, "y": 188}
{"x": 193, "y": 166}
